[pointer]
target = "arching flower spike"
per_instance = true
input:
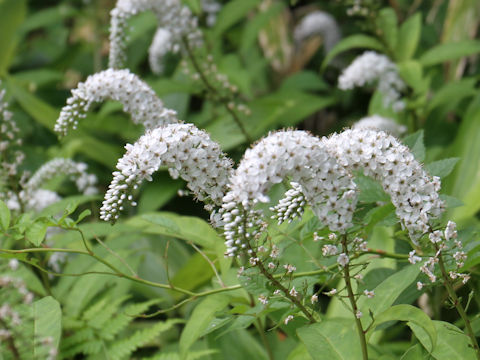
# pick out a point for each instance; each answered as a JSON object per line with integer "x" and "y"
{"x": 171, "y": 15}
{"x": 137, "y": 98}
{"x": 294, "y": 155}
{"x": 380, "y": 123}
{"x": 413, "y": 192}
{"x": 185, "y": 150}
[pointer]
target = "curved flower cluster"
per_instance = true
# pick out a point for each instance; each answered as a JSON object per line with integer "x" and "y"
{"x": 318, "y": 23}
{"x": 33, "y": 197}
{"x": 372, "y": 67}
{"x": 137, "y": 98}
{"x": 413, "y": 192}
{"x": 380, "y": 123}
{"x": 185, "y": 150}
{"x": 8, "y": 137}
{"x": 161, "y": 45}
{"x": 59, "y": 166}
{"x": 286, "y": 154}
{"x": 171, "y": 15}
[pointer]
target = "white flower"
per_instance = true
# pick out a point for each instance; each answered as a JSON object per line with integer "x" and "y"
{"x": 358, "y": 314}
{"x": 290, "y": 268}
{"x": 381, "y": 156}
{"x": 435, "y": 237}
{"x": 369, "y": 294}
{"x": 287, "y": 319}
{"x": 329, "y": 250}
{"x": 331, "y": 292}
{"x": 263, "y": 299}
{"x": 185, "y": 150}
{"x": 412, "y": 258}
{"x": 211, "y": 8}
{"x": 137, "y": 98}
{"x": 280, "y": 155}
{"x": 318, "y": 23}
{"x": 343, "y": 259}
{"x": 451, "y": 231}
{"x": 271, "y": 265}
{"x": 277, "y": 292}
{"x": 379, "y": 123}
{"x": 13, "y": 264}
{"x": 314, "y": 298}
{"x": 332, "y": 237}
{"x": 171, "y": 16}
{"x": 293, "y": 292}
{"x": 291, "y": 206}
{"x": 372, "y": 67}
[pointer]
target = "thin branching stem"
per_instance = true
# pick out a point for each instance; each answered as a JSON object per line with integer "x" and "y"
{"x": 458, "y": 304}
{"x": 353, "y": 302}
{"x": 224, "y": 101}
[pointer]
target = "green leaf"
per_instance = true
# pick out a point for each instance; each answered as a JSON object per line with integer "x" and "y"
{"x": 409, "y": 37}
{"x": 416, "y": 145}
{"x": 412, "y": 72}
{"x": 449, "y": 51}
{"x": 200, "y": 318}
{"x": 353, "y": 42}
{"x": 452, "y": 343}
{"x": 36, "y": 231}
{"x": 370, "y": 190}
{"x": 83, "y": 215}
{"x": 4, "y": 216}
{"x": 389, "y": 290}
{"x": 187, "y": 228}
{"x": 411, "y": 314}
{"x": 39, "y": 110}
{"x": 60, "y": 206}
{"x": 332, "y": 339}
{"x": 47, "y": 323}
{"x": 12, "y": 15}
{"x": 413, "y": 353}
{"x": 464, "y": 183}
{"x": 231, "y": 13}
{"x": 387, "y": 24}
{"x": 441, "y": 168}
{"x": 452, "y": 92}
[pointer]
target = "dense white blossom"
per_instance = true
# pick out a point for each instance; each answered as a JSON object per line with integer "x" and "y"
{"x": 161, "y": 45}
{"x": 380, "y": 123}
{"x": 286, "y": 154}
{"x": 318, "y": 23}
{"x": 137, "y": 98}
{"x": 371, "y": 67}
{"x": 185, "y": 150}
{"x": 413, "y": 192}
{"x": 291, "y": 206}
{"x": 171, "y": 15}
{"x": 343, "y": 259}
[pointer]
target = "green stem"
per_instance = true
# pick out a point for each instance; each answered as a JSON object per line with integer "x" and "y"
{"x": 261, "y": 332}
{"x": 353, "y": 303}
{"x": 224, "y": 101}
{"x": 458, "y": 305}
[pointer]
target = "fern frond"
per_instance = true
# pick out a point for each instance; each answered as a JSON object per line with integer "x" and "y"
{"x": 81, "y": 336}
{"x": 100, "y": 318}
{"x": 125, "y": 347}
{"x": 116, "y": 324}
{"x": 194, "y": 355}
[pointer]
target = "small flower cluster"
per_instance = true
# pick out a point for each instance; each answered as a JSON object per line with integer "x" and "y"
{"x": 357, "y": 8}
{"x": 326, "y": 186}
{"x": 33, "y": 197}
{"x": 8, "y": 138}
{"x": 291, "y": 206}
{"x": 371, "y": 67}
{"x": 318, "y": 23}
{"x": 137, "y": 98}
{"x": 447, "y": 248}
{"x": 413, "y": 192}
{"x": 380, "y": 123}
{"x": 185, "y": 150}
{"x": 171, "y": 15}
